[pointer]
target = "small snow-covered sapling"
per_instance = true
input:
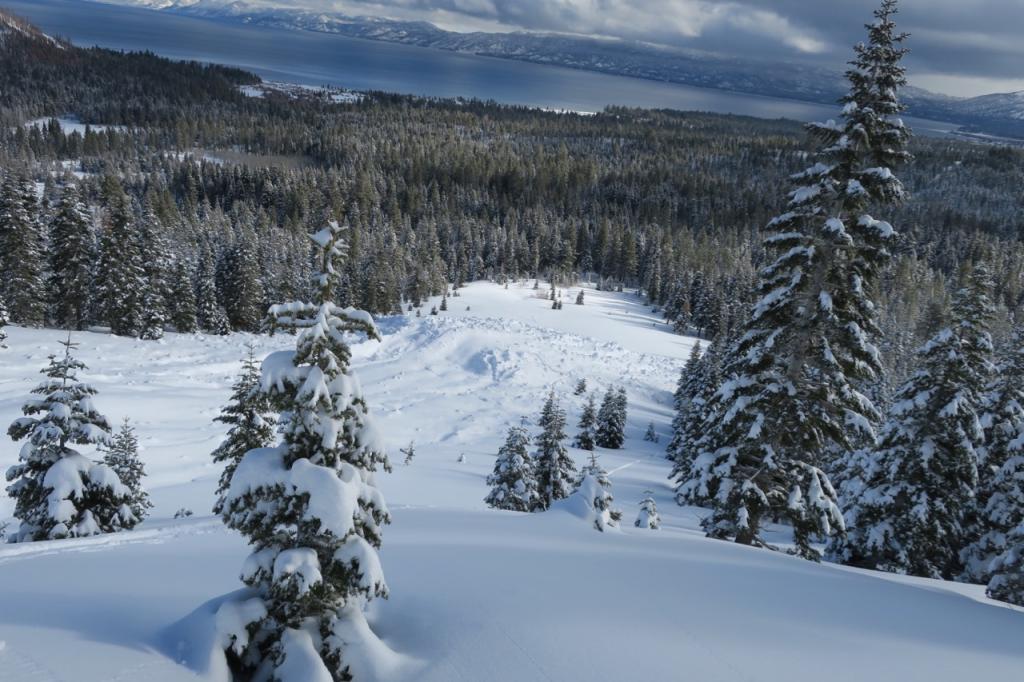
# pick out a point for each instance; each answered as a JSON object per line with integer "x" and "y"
{"x": 648, "y": 516}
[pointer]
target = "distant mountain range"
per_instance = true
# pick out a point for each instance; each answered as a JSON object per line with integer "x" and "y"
{"x": 996, "y": 114}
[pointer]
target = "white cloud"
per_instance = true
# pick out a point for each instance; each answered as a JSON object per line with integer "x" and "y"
{"x": 772, "y": 25}
{"x": 674, "y": 22}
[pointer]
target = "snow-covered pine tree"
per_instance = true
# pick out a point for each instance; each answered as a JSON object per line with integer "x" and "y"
{"x": 588, "y": 419}
{"x": 153, "y": 317}
{"x": 648, "y": 516}
{"x": 57, "y": 491}
{"x": 914, "y": 501}
{"x": 243, "y": 296}
{"x": 596, "y": 489}
{"x": 790, "y": 394}
{"x": 594, "y": 469}
{"x": 1000, "y": 497}
{"x": 122, "y": 456}
{"x": 581, "y": 387}
{"x": 688, "y": 387}
{"x": 3, "y": 323}
{"x": 555, "y": 470}
{"x": 309, "y": 505}
{"x": 410, "y": 453}
{"x": 72, "y": 254}
{"x": 21, "y": 252}
{"x": 621, "y": 407}
{"x": 250, "y": 421}
{"x": 183, "y": 297}
{"x": 650, "y": 435}
{"x": 611, "y": 419}
{"x": 157, "y": 265}
{"x": 689, "y": 423}
{"x": 513, "y": 481}
{"x": 974, "y": 311}
{"x": 210, "y": 315}
{"x": 579, "y": 298}
{"x": 121, "y": 277}
{"x": 1007, "y": 582}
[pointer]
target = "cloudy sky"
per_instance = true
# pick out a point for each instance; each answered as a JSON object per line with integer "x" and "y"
{"x": 963, "y": 47}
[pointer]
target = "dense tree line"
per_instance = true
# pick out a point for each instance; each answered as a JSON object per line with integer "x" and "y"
{"x": 780, "y": 422}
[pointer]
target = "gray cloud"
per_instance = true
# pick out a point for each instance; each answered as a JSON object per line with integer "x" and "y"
{"x": 964, "y": 44}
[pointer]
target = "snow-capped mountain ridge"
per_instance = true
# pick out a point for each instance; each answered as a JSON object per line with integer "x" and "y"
{"x": 997, "y": 105}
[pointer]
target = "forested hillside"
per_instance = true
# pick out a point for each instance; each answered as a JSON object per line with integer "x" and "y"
{"x": 189, "y": 202}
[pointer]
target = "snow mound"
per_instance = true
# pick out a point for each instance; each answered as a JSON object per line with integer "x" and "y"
{"x": 583, "y": 504}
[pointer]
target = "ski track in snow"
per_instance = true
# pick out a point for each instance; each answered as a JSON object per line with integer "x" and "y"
{"x": 475, "y": 594}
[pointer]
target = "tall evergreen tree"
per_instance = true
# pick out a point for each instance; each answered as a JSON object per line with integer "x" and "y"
{"x": 244, "y": 293}
{"x": 21, "y": 252}
{"x": 250, "y": 423}
{"x": 122, "y": 456}
{"x": 915, "y": 502}
{"x": 57, "y": 491}
{"x": 698, "y": 389}
{"x": 555, "y": 470}
{"x": 1000, "y": 498}
{"x": 72, "y": 256}
{"x": 687, "y": 389}
{"x": 513, "y": 481}
{"x": 1007, "y": 582}
{"x": 611, "y": 419}
{"x": 1006, "y": 509}
{"x": 210, "y": 315}
{"x": 183, "y": 296}
{"x": 974, "y": 311}
{"x": 791, "y": 390}
{"x": 309, "y": 506}
{"x": 157, "y": 265}
{"x": 121, "y": 277}
{"x": 588, "y": 420}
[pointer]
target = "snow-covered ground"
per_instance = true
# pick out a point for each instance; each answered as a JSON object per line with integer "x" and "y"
{"x": 296, "y": 90}
{"x": 477, "y": 594}
{"x": 70, "y": 124}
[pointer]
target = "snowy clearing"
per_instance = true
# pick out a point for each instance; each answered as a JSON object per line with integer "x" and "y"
{"x": 294, "y": 90}
{"x": 476, "y": 594}
{"x": 71, "y": 124}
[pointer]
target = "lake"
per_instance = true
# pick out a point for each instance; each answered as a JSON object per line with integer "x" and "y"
{"x": 322, "y": 59}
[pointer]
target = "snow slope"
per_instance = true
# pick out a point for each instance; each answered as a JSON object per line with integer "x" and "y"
{"x": 477, "y": 594}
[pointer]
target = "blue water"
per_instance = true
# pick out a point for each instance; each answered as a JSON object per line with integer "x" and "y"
{"x": 319, "y": 59}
